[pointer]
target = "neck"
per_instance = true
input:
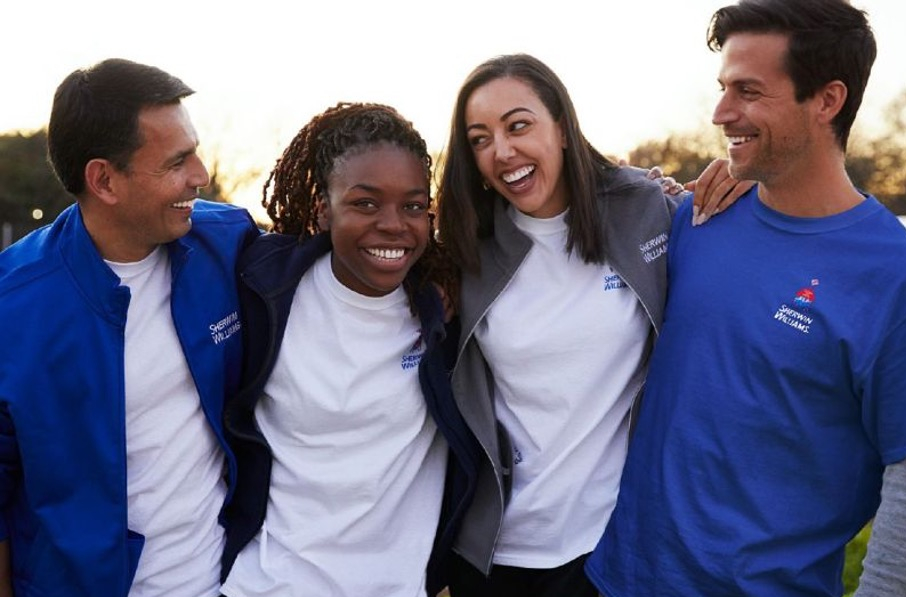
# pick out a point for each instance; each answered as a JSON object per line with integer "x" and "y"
{"x": 819, "y": 190}
{"x": 104, "y": 233}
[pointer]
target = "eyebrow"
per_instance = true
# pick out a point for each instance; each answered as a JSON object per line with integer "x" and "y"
{"x": 502, "y": 118}
{"x": 363, "y": 186}
{"x": 738, "y": 82}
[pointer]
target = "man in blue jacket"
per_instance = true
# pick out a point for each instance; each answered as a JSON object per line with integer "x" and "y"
{"x": 120, "y": 340}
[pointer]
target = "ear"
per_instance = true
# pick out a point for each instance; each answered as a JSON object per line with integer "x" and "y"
{"x": 829, "y": 101}
{"x": 98, "y": 180}
{"x": 322, "y": 214}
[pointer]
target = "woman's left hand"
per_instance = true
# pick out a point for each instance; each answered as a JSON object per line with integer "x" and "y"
{"x": 715, "y": 190}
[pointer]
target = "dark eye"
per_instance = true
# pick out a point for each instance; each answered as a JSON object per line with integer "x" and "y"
{"x": 478, "y": 140}
{"x": 416, "y": 207}
{"x": 364, "y": 204}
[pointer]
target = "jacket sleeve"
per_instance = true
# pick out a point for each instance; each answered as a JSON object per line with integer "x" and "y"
{"x": 884, "y": 573}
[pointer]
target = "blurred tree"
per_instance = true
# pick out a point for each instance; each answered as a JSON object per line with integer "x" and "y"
{"x": 887, "y": 153}
{"x": 30, "y": 194}
{"x": 681, "y": 155}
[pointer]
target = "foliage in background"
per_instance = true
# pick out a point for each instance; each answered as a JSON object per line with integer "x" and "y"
{"x": 855, "y": 553}
{"x": 27, "y": 183}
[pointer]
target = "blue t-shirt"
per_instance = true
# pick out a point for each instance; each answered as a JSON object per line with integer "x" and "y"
{"x": 776, "y": 395}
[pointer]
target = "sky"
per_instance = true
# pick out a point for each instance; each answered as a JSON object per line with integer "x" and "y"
{"x": 636, "y": 70}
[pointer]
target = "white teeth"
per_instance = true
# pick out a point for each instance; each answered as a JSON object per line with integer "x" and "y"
{"x": 387, "y": 253}
{"x": 183, "y": 204}
{"x": 520, "y": 173}
{"x": 739, "y": 140}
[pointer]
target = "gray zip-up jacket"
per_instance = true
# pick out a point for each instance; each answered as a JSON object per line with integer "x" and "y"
{"x": 636, "y": 217}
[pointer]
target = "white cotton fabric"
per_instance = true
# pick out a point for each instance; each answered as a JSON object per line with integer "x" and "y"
{"x": 359, "y": 466}
{"x": 174, "y": 465}
{"x": 564, "y": 341}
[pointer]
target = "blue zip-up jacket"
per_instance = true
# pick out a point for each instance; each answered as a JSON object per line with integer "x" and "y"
{"x": 270, "y": 271}
{"x": 62, "y": 402}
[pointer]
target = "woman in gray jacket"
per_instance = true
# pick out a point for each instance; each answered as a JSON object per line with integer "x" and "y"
{"x": 563, "y": 255}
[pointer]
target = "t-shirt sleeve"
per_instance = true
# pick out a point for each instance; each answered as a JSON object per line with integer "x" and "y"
{"x": 884, "y": 399}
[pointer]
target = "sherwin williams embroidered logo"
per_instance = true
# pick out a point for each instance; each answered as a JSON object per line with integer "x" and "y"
{"x": 798, "y": 317}
{"x": 613, "y": 281}
{"x": 225, "y": 328}
{"x": 414, "y": 355}
{"x": 654, "y": 248}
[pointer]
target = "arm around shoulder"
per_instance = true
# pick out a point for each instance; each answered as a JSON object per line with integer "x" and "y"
{"x": 884, "y": 573}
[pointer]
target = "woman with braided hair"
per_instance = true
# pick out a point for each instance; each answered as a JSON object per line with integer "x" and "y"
{"x": 354, "y": 464}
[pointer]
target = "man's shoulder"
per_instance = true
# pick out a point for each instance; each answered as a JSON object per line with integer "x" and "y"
{"x": 210, "y": 213}
{"x": 220, "y": 226}
{"x": 30, "y": 259}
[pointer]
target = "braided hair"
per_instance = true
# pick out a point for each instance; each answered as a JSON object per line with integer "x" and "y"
{"x": 299, "y": 180}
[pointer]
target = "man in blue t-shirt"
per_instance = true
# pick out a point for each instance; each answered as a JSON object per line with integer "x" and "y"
{"x": 774, "y": 421}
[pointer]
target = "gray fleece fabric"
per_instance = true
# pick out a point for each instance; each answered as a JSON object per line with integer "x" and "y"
{"x": 884, "y": 573}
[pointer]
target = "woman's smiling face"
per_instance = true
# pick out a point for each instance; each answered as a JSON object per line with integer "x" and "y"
{"x": 377, "y": 215}
{"x": 518, "y": 146}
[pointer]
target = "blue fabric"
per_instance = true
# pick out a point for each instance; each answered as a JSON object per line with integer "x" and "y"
{"x": 62, "y": 402}
{"x": 270, "y": 271}
{"x": 774, "y": 400}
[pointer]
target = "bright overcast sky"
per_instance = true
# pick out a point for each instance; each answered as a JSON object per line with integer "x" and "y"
{"x": 636, "y": 69}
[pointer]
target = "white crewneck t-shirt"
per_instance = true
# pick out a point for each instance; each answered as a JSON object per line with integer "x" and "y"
{"x": 174, "y": 465}
{"x": 359, "y": 465}
{"x": 563, "y": 340}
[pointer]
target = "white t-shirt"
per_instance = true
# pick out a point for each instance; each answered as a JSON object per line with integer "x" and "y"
{"x": 563, "y": 340}
{"x": 174, "y": 465}
{"x": 359, "y": 466}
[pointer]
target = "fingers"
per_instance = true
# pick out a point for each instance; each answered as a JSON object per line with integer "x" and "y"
{"x": 710, "y": 189}
{"x": 670, "y": 186}
{"x": 655, "y": 172}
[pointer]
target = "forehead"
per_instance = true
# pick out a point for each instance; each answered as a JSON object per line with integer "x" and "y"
{"x": 754, "y": 56}
{"x": 165, "y": 131}
{"x": 500, "y": 96}
{"x": 378, "y": 164}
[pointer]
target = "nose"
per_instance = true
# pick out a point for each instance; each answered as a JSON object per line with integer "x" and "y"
{"x": 198, "y": 173}
{"x": 724, "y": 112}
{"x": 390, "y": 220}
{"x": 503, "y": 148}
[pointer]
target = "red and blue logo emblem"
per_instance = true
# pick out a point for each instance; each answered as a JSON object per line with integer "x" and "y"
{"x": 804, "y": 298}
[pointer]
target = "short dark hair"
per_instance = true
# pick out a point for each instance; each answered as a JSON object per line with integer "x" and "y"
{"x": 829, "y": 40}
{"x": 95, "y": 115}
{"x": 465, "y": 207}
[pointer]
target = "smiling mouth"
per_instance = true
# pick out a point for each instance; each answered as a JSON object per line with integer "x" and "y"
{"x": 736, "y": 140}
{"x": 387, "y": 254}
{"x": 517, "y": 175}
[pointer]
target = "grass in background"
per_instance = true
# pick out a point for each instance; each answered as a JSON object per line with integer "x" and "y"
{"x": 855, "y": 552}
